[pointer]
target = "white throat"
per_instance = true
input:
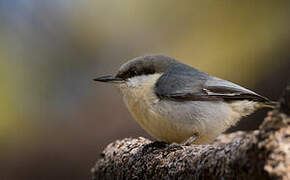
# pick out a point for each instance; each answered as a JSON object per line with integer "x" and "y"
{"x": 139, "y": 83}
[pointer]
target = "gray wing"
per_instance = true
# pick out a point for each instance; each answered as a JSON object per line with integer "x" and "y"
{"x": 185, "y": 83}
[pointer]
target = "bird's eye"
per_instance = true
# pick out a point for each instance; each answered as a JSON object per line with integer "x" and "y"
{"x": 133, "y": 73}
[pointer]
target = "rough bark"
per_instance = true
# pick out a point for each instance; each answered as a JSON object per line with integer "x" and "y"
{"x": 261, "y": 154}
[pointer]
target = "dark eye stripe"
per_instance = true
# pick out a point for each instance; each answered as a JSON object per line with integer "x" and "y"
{"x": 135, "y": 72}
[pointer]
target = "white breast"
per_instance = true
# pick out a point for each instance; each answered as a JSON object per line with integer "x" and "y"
{"x": 173, "y": 121}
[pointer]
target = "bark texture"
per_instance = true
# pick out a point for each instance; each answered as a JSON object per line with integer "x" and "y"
{"x": 261, "y": 154}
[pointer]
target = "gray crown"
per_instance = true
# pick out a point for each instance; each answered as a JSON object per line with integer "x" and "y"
{"x": 144, "y": 65}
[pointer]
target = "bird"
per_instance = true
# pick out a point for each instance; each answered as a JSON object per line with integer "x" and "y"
{"x": 177, "y": 103}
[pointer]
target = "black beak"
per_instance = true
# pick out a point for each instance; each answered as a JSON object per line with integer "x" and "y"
{"x": 109, "y": 79}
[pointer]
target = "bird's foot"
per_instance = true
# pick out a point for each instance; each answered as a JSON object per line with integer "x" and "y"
{"x": 190, "y": 140}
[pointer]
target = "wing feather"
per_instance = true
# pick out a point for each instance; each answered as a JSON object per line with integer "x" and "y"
{"x": 185, "y": 83}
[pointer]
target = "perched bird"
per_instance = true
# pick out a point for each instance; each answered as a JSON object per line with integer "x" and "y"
{"x": 173, "y": 101}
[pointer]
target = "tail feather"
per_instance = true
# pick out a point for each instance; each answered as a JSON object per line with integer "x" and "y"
{"x": 270, "y": 104}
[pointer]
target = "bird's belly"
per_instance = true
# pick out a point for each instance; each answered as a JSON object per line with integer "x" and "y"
{"x": 161, "y": 121}
{"x": 159, "y": 126}
{"x": 178, "y": 121}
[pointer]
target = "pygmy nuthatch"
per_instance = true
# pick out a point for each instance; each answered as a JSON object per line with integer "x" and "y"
{"x": 173, "y": 101}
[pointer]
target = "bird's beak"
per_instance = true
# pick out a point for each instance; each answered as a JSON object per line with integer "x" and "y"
{"x": 109, "y": 79}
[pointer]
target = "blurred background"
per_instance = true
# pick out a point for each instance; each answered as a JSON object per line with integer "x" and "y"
{"x": 54, "y": 120}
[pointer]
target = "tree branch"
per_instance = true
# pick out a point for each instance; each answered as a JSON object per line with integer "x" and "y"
{"x": 261, "y": 154}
